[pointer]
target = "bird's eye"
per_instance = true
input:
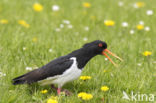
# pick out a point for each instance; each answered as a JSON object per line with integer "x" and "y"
{"x": 100, "y": 45}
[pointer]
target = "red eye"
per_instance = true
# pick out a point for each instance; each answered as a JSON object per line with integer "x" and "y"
{"x": 100, "y": 45}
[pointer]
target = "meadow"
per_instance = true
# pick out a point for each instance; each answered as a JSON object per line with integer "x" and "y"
{"x": 34, "y": 32}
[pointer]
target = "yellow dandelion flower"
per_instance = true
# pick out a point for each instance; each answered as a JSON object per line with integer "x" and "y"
{"x": 44, "y": 91}
{"x": 85, "y": 77}
{"x": 3, "y": 21}
{"x": 52, "y": 101}
{"x": 140, "y": 27}
{"x": 23, "y": 23}
{"x": 86, "y": 5}
{"x": 140, "y": 4}
{"x": 109, "y": 22}
{"x": 104, "y": 88}
{"x": 105, "y": 71}
{"x": 54, "y": 97}
{"x": 93, "y": 17}
{"x": 34, "y": 39}
{"x": 85, "y": 96}
{"x": 38, "y": 7}
{"x": 147, "y": 53}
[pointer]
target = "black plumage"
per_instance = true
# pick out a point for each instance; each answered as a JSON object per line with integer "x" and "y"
{"x": 61, "y": 64}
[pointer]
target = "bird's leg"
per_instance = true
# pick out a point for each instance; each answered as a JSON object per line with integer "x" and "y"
{"x": 67, "y": 92}
{"x": 58, "y": 91}
{"x": 52, "y": 86}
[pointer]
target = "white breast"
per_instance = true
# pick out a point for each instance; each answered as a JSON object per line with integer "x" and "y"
{"x": 69, "y": 75}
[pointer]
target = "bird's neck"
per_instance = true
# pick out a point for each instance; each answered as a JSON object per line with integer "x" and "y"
{"x": 82, "y": 56}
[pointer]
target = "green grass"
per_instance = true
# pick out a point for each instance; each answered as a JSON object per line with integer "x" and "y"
{"x": 128, "y": 76}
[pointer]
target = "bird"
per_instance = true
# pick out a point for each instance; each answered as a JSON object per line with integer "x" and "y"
{"x": 66, "y": 68}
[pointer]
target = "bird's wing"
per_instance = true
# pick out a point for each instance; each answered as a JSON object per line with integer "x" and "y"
{"x": 55, "y": 67}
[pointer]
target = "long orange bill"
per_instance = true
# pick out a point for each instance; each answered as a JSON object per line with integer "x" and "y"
{"x": 109, "y": 58}
{"x": 113, "y": 54}
{"x": 106, "y": 50}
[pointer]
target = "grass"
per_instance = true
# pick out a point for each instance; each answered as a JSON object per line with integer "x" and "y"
{"x": 128, "y": 76}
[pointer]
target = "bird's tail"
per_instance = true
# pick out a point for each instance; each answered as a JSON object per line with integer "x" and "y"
{"x": 19, "y": 80}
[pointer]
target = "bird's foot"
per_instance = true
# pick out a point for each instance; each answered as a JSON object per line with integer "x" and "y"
{"x": 67, "y": 92}
{"x": 53, "y": 87}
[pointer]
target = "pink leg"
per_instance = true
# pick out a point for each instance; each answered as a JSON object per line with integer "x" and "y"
{"x": 58, "y": 91}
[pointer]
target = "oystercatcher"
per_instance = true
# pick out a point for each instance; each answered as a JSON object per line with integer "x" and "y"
{"x": 65, "y": 68}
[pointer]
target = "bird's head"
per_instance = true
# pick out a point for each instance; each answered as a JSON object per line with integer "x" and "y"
{"x": 99, "y": 47}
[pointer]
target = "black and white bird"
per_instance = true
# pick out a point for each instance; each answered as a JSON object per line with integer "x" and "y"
{"x": 65, "y": 68}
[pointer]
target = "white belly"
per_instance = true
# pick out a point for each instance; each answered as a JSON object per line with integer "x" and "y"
{"x": 69, "y": 75}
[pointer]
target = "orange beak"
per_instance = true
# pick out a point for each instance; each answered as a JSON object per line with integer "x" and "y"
{"x": 106, "y": 50}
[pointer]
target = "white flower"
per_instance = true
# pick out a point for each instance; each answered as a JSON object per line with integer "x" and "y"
{"x": 139, "y": 64}
{"x": 24, "y": 48}
{"x": 86, "y": 28}
{"x": 120, "y": 3}
{"x": 149, "y": 12}
{"x": 66, "y": 21}
{"x": 141, "y": 22}
{"x": 50, "y": 50}
{"x": 106, "y": 59}
{"x": 2, "y": 74}
{"x": 125, "y": 24}
{"x": 55, "y": 7}
{"x": 70, "y": 26}
{"x": 85, "y": 39}
{"x": 57, "y": 29}
{"x": 147, "y": 28}
{"x": 131, "y": 32}
{"x": 135, "y": 6}
{"x": 61, "y": 26}
{"x": 28, "y": 68}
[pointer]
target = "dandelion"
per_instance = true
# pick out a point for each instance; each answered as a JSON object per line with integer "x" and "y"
{"x": 85, "y": 77}
{"x": 140, "y": 27}
{"x": 34, "y": 39}
{"x": 147, "y": 28}
{"x": 109, "y": 23}
{"x": 105, "y": 71}
{"x": 85, "y": 96}
{"x": 125, "y": 24}
{"x": 139, "y": 4}
{"x": 52, "y": 101}
{"x": 93, "y": 17}
{"x": 23, "y": 23}
{"x": 147, "y": 53}
{"x": 38, "y": 7}
{"x": 104, "y": 88}
{"x": 44, "y": 91}
{"x": 3, "y": 21}
{"x": 28, "y": 68}
{"x": 86, "y": 5}
{"x": 149, "y": 12}
{"x": 85, "y": 39}
{"x": 55, "y": 8}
